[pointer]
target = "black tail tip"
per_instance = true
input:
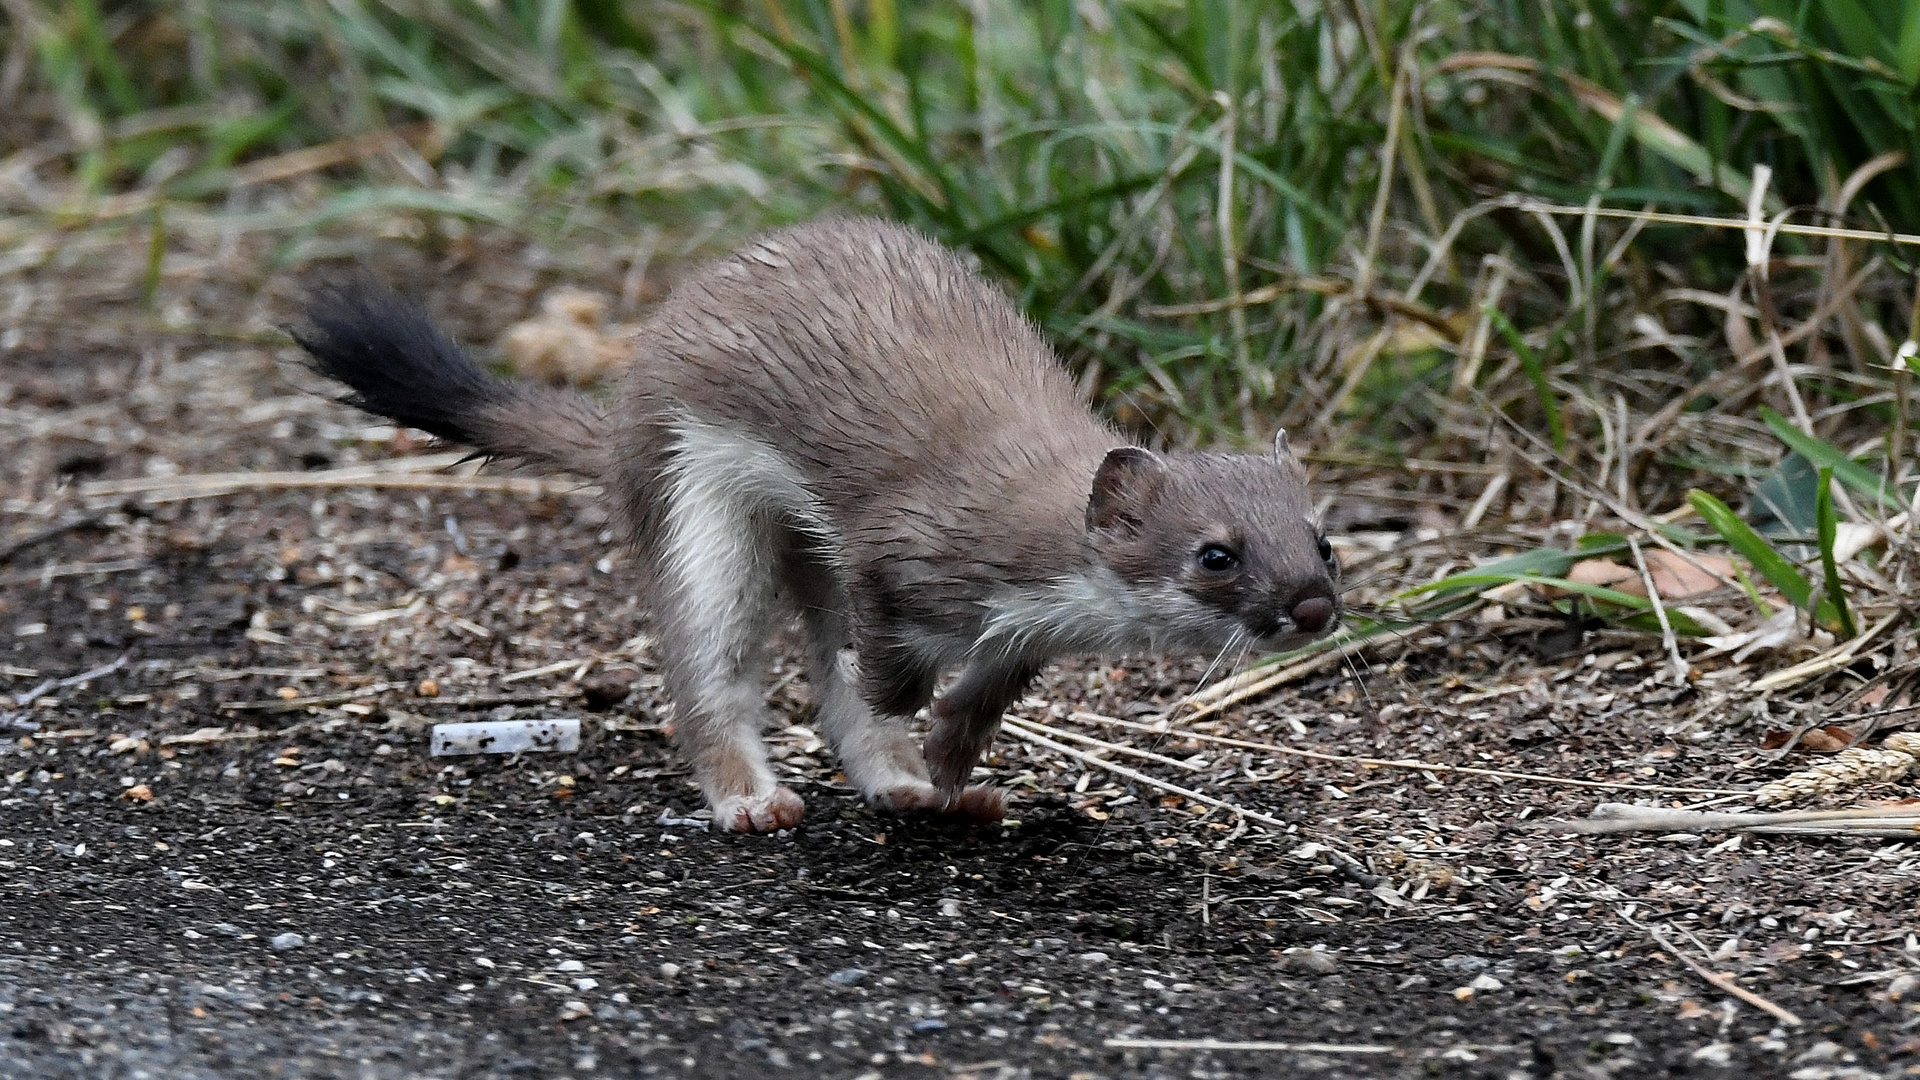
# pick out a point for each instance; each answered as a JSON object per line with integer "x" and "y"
{"x": 393, "y": 361}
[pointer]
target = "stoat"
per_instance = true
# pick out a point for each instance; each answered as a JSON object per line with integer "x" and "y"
{"x": 844, "y": 421}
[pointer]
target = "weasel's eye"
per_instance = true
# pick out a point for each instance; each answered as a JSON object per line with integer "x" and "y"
{"x": 1215, "y": 559}
{"x": 1326, "y": 550}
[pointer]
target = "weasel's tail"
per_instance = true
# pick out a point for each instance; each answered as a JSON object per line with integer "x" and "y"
{"x": 396, "y": 364}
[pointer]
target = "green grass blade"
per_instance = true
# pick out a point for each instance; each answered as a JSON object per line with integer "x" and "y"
{"x": 1536, "y": 374}
{"x": 1831, "y": 458}
{"x": 1828, "y": 524}
{"x": 1543, "y": 562}
{"x": 1772, "y": 565}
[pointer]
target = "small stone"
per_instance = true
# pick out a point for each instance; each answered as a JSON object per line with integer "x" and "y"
{"x": 1487, "y": 982}
{"x": 1715, "y": 1053}
{"x": 288, "y": 940}
{"x": 669, "y": 970}
{"x": 574, "y": 1010}
{"x": 1310, "y": 962}
{"x": 950, "y": 908}
{"x": 922, "y": 1027}
{"x": 1824, "y": 1050}
{"x": 428, "y": 688}
{"x": 1095, "y": 957}
{"x": 137, "y": 793}
{"x": 847, "y": 976}
{"x": 570, "y": 965}
{"x": 1463, "y": 993}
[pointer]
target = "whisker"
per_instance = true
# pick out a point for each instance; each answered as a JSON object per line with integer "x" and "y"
{"x": 1359, "y": 680}
{"x": 1346, "y": 586}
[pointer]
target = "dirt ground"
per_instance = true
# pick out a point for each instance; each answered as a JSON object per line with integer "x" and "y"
{"x": 225, "y": 851}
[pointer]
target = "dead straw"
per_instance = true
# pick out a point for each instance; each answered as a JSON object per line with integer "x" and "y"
{"x": 1139, "y": 777}
{"x": 1726, "y": 984}
{"x": 1403, "y": 763}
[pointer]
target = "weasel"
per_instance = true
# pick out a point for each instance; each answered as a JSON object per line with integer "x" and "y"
{"x": 844, "y": 420}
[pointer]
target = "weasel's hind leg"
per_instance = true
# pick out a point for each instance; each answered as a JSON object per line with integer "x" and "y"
{"x": 877, "y": 751}
{"x": 717, "y": 604}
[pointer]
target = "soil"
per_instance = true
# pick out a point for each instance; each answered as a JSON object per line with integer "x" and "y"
{"x": 305, "y": 892}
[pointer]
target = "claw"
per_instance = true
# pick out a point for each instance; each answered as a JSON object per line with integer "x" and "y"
{"x": 775, "y": 810}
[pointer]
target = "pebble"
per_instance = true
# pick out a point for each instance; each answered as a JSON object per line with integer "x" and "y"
{"x": 1487, "y": 982}
{"x": 847, "y": 976}
{"x": 288, "y": 940}
{"x": 570, "y": 965}
{"x": 950, "y": 908}
{"x": 929, "y": 1024}
{"x": 1095, "y": 957}
{"x": 669, "y": 970}
{"x": 1310, "y": 962}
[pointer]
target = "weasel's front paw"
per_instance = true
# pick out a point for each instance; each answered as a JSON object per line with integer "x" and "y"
{"x": 777, "y": 809}
{"x": 982, "y": 803}
{"x": 951, "y": 756}
{"x": 907, "y": 795}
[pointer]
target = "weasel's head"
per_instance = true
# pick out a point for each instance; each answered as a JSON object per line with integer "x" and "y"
{"x": 1223, "y": 547}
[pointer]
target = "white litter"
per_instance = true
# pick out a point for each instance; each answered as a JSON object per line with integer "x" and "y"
{"x": 506, "y": 737}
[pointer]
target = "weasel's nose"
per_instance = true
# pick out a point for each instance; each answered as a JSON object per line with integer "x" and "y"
{"x": 1313, "y": 614}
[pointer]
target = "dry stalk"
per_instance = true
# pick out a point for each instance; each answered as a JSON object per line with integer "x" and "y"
{"x": 1110, "y": 747}
{"x": 1832, "y": 660}
{"x": 1902, "y": 821}
{"x": 1726, "y": 983}
{"x": 213, "y": 485}
{"x": 1142, "y": 778}
{"x": 1897, "y": 755}
{"x": 1223, "y": 1044}
{"x": 1251, "y": 684}
{"x": 1660, "y": 612}
{"x": 1402, "y": 763}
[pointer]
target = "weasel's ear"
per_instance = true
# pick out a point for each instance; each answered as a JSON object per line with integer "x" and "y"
{"x": 1283, "y": 454}
{"x": 1123, "y": 487}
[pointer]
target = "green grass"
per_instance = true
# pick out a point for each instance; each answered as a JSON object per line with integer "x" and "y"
{"x": 1230, "y": 214}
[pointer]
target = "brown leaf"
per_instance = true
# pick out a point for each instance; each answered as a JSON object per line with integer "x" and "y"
{"x": 1673, "y": 576}
{"x": 1827, "y": 740}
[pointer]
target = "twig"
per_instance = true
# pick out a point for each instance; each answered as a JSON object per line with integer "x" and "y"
{"x": 209, "y": 485}
{"x": 1403, "y": 763}
{"x": 64, "y": 570}
{"x": 291, "y": 704}
{"x": 1832, "y": 660}
{"x": 89, "y": 676}
{"x": 1142, "y": 778}
{"x": 1660, "y": 612}
{"x": 217, "y": 734}
{"x": 1661, "y": 218}
{"x": 1088, "y": 740}
{"x": 1222, "y": 1044}
{"x": 1726, "y": 984}
{"x": 544, "y": 669}
{"x": 59, "y": 528}
{"x": 1896, "y": 820}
